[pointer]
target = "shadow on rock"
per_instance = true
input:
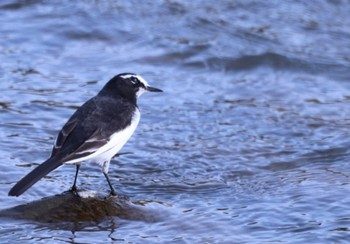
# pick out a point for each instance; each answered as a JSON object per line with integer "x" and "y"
{"x": 86, "y": 206}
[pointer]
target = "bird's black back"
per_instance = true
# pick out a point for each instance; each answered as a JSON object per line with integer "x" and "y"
{"x": 100, "y": 116}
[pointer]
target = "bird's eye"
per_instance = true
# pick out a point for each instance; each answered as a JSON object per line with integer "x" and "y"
{"x": 135, "y": 81}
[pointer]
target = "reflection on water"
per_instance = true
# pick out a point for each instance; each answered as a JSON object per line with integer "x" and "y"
{"x": 249, "y": 141}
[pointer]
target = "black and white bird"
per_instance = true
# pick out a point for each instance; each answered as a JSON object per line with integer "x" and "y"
{"x": 96, "y": 131}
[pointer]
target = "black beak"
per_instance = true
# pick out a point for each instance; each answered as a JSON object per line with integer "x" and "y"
{"x": 153, "y": 89}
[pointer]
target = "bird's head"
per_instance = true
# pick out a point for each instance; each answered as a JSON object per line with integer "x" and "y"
{"x": 129, "y": 85}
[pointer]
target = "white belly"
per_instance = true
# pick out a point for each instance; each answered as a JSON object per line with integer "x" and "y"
{"x": 104, "y": 154}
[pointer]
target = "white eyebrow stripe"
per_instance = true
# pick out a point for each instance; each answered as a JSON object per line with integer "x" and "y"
{"x": 145, "y": 83}
{"x": 128, "y": 76}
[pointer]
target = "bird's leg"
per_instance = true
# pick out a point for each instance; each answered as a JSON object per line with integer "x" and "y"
{"x": 74, "y": 188}
{"x": 113, "y": 193}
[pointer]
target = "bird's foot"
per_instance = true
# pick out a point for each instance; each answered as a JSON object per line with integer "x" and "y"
{"x": 113, "y": 193}
{"x": 74, "y": 190}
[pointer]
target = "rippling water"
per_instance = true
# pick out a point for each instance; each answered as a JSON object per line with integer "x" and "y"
{"x": 248, "y": 143}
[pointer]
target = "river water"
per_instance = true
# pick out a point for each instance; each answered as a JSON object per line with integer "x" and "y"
{"x": 249, "y": 143}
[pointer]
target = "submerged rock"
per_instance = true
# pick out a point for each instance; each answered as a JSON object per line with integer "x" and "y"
{"x": 83, "y": 206}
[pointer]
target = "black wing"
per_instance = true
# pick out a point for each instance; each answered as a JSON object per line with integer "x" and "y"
{"x": 62, "y": 136}
{"x": 91, "y": 126}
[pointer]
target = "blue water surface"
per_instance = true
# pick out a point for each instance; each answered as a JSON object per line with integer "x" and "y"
{"x": 249, "y": 143}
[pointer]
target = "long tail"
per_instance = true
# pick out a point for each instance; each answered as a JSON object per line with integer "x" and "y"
{"x": 34, "y": 176}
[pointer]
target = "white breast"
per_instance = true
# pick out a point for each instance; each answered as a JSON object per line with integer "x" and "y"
{"x": 118, "y": 140}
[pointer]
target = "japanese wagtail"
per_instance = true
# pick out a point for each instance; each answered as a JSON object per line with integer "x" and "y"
{"x": 96, "y": 131}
